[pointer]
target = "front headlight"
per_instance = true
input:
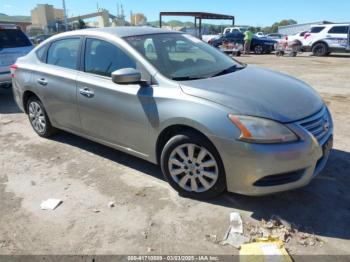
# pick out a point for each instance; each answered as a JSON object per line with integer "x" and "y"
{"x": 260, "y": 130}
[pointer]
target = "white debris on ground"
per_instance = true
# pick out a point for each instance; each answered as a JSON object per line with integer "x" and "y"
{"x": 111, "y": 204}
{"x": 240, "y": 233}
{"x": 234, "y": 235}
{"x": 281, "y": 229}
{"x": 50, "y": 204}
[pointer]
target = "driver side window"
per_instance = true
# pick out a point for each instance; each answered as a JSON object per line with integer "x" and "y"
{"x": 102, "y": 58}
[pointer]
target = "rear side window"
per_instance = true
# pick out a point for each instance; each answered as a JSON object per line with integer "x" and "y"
{"x": 41, "y": 54}
{"x": 10, "y": 38}
{"x": 102, "y": 58}
{"x": 339, "y": 30}
{"x": 64, "y": 53}
{"x": 317, "y": 29}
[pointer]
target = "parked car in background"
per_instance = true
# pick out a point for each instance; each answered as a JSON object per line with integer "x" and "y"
{"x": 40, "y": 38}
{"x": 260, "y": 34}
{"x": 259, "y": 45}
{"x": 13, "y": 44}
{"x": 275, "y": 36}
{"x": 299, "y": 37}
{"x": 210, "y": 122}
{"x": 234, "y": 29}
{"x": 325, "y": 39}
{"x": 207, "y": 38}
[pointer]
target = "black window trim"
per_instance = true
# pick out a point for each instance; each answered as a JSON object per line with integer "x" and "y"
{"x": 49, "y": 45}
{"x": 320, "y": 26}
{"x": 337, "y": 26}
{"x": 45, "y": 53}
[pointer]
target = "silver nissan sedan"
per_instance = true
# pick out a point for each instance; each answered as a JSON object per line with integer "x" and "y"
{"x": 210, "y": 122}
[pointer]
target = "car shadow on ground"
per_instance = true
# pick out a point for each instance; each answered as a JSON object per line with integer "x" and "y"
{"x": 323, "y": 207}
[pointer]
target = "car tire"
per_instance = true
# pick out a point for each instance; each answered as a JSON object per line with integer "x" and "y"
{"x": 320, "y": 49}
{"x": 38, "y": 118}
{"x": 201, "y": 176}
{"x": 258, "y": 49}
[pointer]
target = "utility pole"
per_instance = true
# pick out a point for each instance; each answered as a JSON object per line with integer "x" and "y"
{"x": 65, "y": 15}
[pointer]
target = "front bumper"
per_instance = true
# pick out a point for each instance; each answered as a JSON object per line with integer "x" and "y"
{"x": 260, "y": 169}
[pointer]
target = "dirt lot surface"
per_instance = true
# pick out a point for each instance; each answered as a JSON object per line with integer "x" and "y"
{"x": 149, "y": 217}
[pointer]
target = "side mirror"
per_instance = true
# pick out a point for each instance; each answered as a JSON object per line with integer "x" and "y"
{"x": 126, "y": 76}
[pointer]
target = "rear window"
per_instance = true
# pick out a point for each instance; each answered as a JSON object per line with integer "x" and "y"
{"x": 10, "y": 38}
{"x": 317, "y": 29}
{"x": 339, "y": 30}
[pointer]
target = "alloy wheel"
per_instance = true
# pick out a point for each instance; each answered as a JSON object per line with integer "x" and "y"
{"x": 37, "y": 117}
{"x": 193, "y": 168}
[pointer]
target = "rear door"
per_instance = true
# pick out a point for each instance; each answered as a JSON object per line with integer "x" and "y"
{"x": 13, "y": 44}
{"x": 337, "y": 37}
{"x": 56, "y": 80}
{"x": 110, "y": 112}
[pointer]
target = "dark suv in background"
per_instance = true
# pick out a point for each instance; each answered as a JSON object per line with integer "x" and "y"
{"x": 259, "y": 46}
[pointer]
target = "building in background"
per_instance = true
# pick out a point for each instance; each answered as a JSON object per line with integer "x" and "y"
{"x": 47, "y": 18}
{"x": 138, "y": 19}
{"x": 297, "y": 28}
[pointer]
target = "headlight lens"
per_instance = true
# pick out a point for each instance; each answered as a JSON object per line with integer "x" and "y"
{"x": 260, "y": 130}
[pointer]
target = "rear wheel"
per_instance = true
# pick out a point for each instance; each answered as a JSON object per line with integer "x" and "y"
{"x": 320, "y": 49}
{"x": 38, "y": 118}
{"x": 192, "y": 166}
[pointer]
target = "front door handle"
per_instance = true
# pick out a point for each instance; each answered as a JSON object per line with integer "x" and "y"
{"x": 86, "y": 92}
{"x": 42, "y": 81}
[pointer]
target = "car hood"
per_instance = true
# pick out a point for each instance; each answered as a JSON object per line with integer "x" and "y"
{"x": 258, "y": 92}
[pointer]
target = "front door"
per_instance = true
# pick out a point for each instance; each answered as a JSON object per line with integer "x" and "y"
{"x": 108, "y": 111}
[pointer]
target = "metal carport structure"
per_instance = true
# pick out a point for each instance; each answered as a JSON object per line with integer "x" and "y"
{"x": 198, "y": 16}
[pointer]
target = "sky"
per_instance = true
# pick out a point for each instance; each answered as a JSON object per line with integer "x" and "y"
{"x": 251, "y": 12}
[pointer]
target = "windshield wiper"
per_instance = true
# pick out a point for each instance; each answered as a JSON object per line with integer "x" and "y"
{"x": 231, "y": 69}
{"x": 185, "y": 78}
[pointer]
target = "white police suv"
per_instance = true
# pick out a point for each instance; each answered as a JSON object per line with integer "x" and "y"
{"x": 328, "y": 38}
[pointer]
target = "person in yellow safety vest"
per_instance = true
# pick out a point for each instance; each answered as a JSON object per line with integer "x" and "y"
{"x": 248, "y": 37}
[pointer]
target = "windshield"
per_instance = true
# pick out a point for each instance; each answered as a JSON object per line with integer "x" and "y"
{"x": 183, "y": 57}
{"x": 10, "y": 38}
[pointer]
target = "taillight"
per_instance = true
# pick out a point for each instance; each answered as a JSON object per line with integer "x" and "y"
{"x": 306, "y": 36}
{"x": 13, "y": 69}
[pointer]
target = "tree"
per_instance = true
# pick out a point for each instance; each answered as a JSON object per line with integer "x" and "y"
{"x": 274, "y": 27}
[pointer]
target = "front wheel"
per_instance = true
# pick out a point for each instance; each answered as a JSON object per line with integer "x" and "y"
{"x": 258, "y": 49}
{"x": 192, "y": 166}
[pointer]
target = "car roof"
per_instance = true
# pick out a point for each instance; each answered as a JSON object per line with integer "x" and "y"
{"x": 122, "y": 31}
{"x": 329, "y": 25}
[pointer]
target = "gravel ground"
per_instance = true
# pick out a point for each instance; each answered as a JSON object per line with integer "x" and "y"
{"x": 149, "y": 217}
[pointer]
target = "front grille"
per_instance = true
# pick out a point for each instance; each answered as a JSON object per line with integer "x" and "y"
{"x": 319, "y": 125}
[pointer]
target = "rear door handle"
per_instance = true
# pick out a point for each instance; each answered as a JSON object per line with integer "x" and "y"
{"x": 42, "y": 81}
{"x": 86, "y": 92}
